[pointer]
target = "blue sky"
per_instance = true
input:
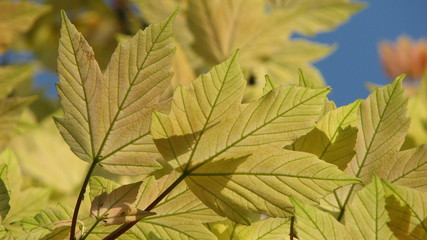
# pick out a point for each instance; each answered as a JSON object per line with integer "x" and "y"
{"x": 356, "y": 61}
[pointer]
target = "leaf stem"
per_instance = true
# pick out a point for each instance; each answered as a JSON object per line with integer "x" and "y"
{"x": 291, "y": 230}
{"x": 80, "y": 199}
{"x": 345, "y": 203}
{"x": 123, "y": 228}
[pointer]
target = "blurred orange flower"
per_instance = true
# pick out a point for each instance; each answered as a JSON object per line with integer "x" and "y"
{"x": 406, "y": 56}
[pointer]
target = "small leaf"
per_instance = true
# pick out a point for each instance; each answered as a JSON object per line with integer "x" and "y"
{"x": 366, "y": 217}
{"x": 99, "y": 185}
{"x": 312, "y": 223}
{"x": 117, "y": 207}
{"x": 408, "y": 168}
{"x": 407, "y": 209}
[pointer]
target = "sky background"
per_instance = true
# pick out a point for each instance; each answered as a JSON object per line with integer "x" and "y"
{"x": 356, "y": 61}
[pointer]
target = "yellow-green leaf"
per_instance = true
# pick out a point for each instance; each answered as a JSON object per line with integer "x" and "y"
{"x": 408, "y": 168}
{"x": 381, "y": 130}
{"x": 334, "y": 137}
{"x": 312, "y": 223}
{"x": 267, "y": 229}
{"x": 407, "y": 209}
{"x": 366, "y": 217}
{"x": 263, "y": 183}
{"x": 107, "y": 117}
{"x": 16, "y": 17}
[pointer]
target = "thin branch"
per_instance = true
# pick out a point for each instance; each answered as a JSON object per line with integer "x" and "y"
{"x": 80, "y": 199}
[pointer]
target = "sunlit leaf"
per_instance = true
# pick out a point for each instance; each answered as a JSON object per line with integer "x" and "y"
{"x": 16, "y": 18}
{"x": 408, "y": 168}
{"x": 407, "y": 209}
{"x": 99, "y": 185}
{"x": 107, "y": 117}
{"x": 267, "y": 229}
{"x": 312, "y": 223}
{"x": 14, "y": 173}
{"x": 334, "y": 137}
{"x": 382, "y": 127}
{"x": 366, "y": 217}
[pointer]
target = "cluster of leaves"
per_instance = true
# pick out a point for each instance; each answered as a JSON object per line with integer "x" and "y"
{"x": 287, "y": 163}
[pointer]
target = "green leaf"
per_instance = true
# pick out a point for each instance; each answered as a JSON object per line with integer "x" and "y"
{"x": 312, "y": 223}
{"x": 12, "y": 75}
{"x": 366, "y": 217}
{"x": 107, "y": 118}
{"x": 407, "y": 209}
{"x": 4, "y": 192}
{"x": 267, "y": 229}
{"x": 14, "y": 173}
{"x": 334, "y": 137}
{"x": 382, "y": 129}
{"x": 180, "y": 215}
{"x": 10, "y": 111}
{"x": 408, "y": 168}
{"x": 118, "y": 207}
{"x": 16, "y": 18}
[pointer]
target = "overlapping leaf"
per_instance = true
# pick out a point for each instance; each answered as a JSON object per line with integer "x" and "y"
{"x": 17, "y": 17}
{"x": 4, "y": 192}
{"x": 107, "y": 118}
{"x": 210, "y": 135}
{"x": 407, "y": 209}
{"x": 408, "y": 168}
{"x": 366, "y": 217}
{"x": 334, "y": 137}
{"x": 312, "y": 223}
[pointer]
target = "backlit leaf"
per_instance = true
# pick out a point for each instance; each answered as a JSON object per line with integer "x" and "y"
{"x": 409, "y": 168}
{"x": 334, "y": 137}
{"x": 366, "y": 217}
{"x": 12, "y": 75}
{"x": 312, "y": 223}
{"x": 107, "y": 118}
{"x": 382, "y": 128}
{"x": 267, "y": 229}
{"x": 407, "y": 209}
